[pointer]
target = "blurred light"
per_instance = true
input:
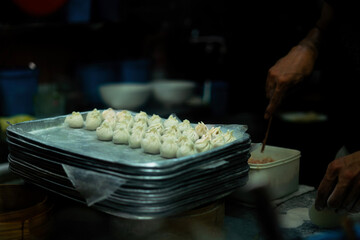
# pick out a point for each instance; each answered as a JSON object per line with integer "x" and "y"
{"x": 32, "y": 65}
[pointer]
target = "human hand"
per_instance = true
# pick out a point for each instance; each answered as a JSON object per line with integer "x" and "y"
{"x": 287, "y": 72}
{"x": 340, "y": 187}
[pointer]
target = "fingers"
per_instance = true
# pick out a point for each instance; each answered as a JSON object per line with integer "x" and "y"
{"x": 270, "y": 85}
{"x": 340, "y": 187}
{"x": 269, "y": 90}
{"x": 337, "y": 197}
{"x": 276, "y": 87}
{"x": 352, "y": 196}
{"x": 274, "y": 103}
{"x": 327, "y": 184}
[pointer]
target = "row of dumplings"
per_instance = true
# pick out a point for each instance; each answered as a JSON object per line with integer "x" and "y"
{"x": 168, "y": 137}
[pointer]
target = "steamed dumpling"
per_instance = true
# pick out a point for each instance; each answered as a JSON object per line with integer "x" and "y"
{"x": 186, "y": 149}
{"x": 184, "y": 125}
{"x": 123, "y": 115}
{"x": 108, "y": 113}
{"x": 138, "y": 129}
{"x": 135, "y": 139}
{"x": 105, "y": 131}
{"x": 121, "y": 136}
{"x": 214, "y": 132}
{"x": 229, "y": 137}
{"x": 201, "y": 129}
{"x": 75, "y": 120}
{"x": 93, "y": 120}
{"x": 168, "y": 136}
{"x": 141, "y": 116}
{"x": 125, "y": 118}
{"x": 170, "y": 121}
{"x": 151, "y": 144}
{"x": 154, "y": 119}
{"x": 111, "y": 121}
{"x": 122, "y": 124}
{"x": 140, "y": 122}
{"x": 168, "y": 148}
{"x": 183, "y": 140}
{"x": 172, "y": 130}
{"x": 203, "y": 144}
{"x": 217, "y": 141}
{"x": 158, "y": 127}
{"x": 152, "y": 131}
{"x": 191, "y": 134}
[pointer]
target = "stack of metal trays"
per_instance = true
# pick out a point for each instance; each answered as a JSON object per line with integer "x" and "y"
{"x": 120, "y": 180}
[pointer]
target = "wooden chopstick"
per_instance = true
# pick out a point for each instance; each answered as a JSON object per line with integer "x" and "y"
{"x": 266, "y": 135}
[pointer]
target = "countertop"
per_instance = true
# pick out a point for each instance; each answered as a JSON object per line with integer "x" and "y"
{"x": 76, "y": 221}
{"x": 292, "y": 212}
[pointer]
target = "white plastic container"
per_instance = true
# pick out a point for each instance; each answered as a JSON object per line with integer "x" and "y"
{"x": 281, "y": 176}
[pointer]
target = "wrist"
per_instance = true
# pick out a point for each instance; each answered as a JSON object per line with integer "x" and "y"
{"x": 309, "y": 46}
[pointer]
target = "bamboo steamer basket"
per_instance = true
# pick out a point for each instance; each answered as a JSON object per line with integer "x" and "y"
{"x": 25, "y": 213}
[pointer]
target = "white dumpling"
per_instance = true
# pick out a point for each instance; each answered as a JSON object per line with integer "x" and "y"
{"x": 119, "y": 125}
{"x": 217, "y": 141}
{"x": 191, "y": 134}
{"x": 186, "y": 149}
{"x": 201, "y": 129}
{"x": 111, "y": 122}
{"x": 140, "y": 122}
{"x": 184, "y": 125}
{"x": 183, "y": 140}
{"x": 168, "y": 136}
{"x": 121, "y": 136}
{"x": 105, "y": 131}
{"x": 170, "y": 121}
{"x": 151, "y": 144}
{"x": 229, "y": 137}
{"x": 203, "y": 144}
{"x": 128, "y": 119}
{"x": 93, "y": 120}
{"x": 168, "y": 148}
{"x": 135, "y": 139}
{"x": 75, "y": 120}
{"x": 152, "y": 131}
{"x": 158, "y": 127}
{"x": 122, "y": 115}
{"x": 138, "y": 129}
{"x": 214, "y": 131}
{"x": 172, "y": 130}
{"x": 154, "y": 119}
{"x": 141, "y": 116}
{"x": 108, "y": 113}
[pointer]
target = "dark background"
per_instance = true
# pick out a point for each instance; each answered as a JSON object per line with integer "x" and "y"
{"x": 253, "y": 34}
{"x": 256, "y": 34}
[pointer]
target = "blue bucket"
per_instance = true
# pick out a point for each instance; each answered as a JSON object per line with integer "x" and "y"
{"x": 135, "y": 71}
{"x": 79, "y": 11}
{"x": 92, "y": 76}
{"x": 18, "y": 88}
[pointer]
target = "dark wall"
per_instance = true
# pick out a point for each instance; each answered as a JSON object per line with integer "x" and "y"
{"x": 255, "y": 34}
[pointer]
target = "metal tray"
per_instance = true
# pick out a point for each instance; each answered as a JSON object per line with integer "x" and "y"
{"x": 140, "y": 188}
{"x": 235, "y": 161}
{"x": 145, "y": 208}
{"x": 169, "y": 195}
{"x": 53, "y": 133}
{"x": 19, "y": 144}
{"x": 47, "y": 153}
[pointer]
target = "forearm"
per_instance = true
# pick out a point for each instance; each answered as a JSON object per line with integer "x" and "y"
{"x": 316, "y": 35}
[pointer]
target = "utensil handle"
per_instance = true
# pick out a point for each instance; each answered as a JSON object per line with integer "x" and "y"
{"x": 266, "y": 135}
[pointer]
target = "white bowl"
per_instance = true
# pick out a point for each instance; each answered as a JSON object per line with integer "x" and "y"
{"x": 125, "y": 95}
{"x": 173, "y": 92}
